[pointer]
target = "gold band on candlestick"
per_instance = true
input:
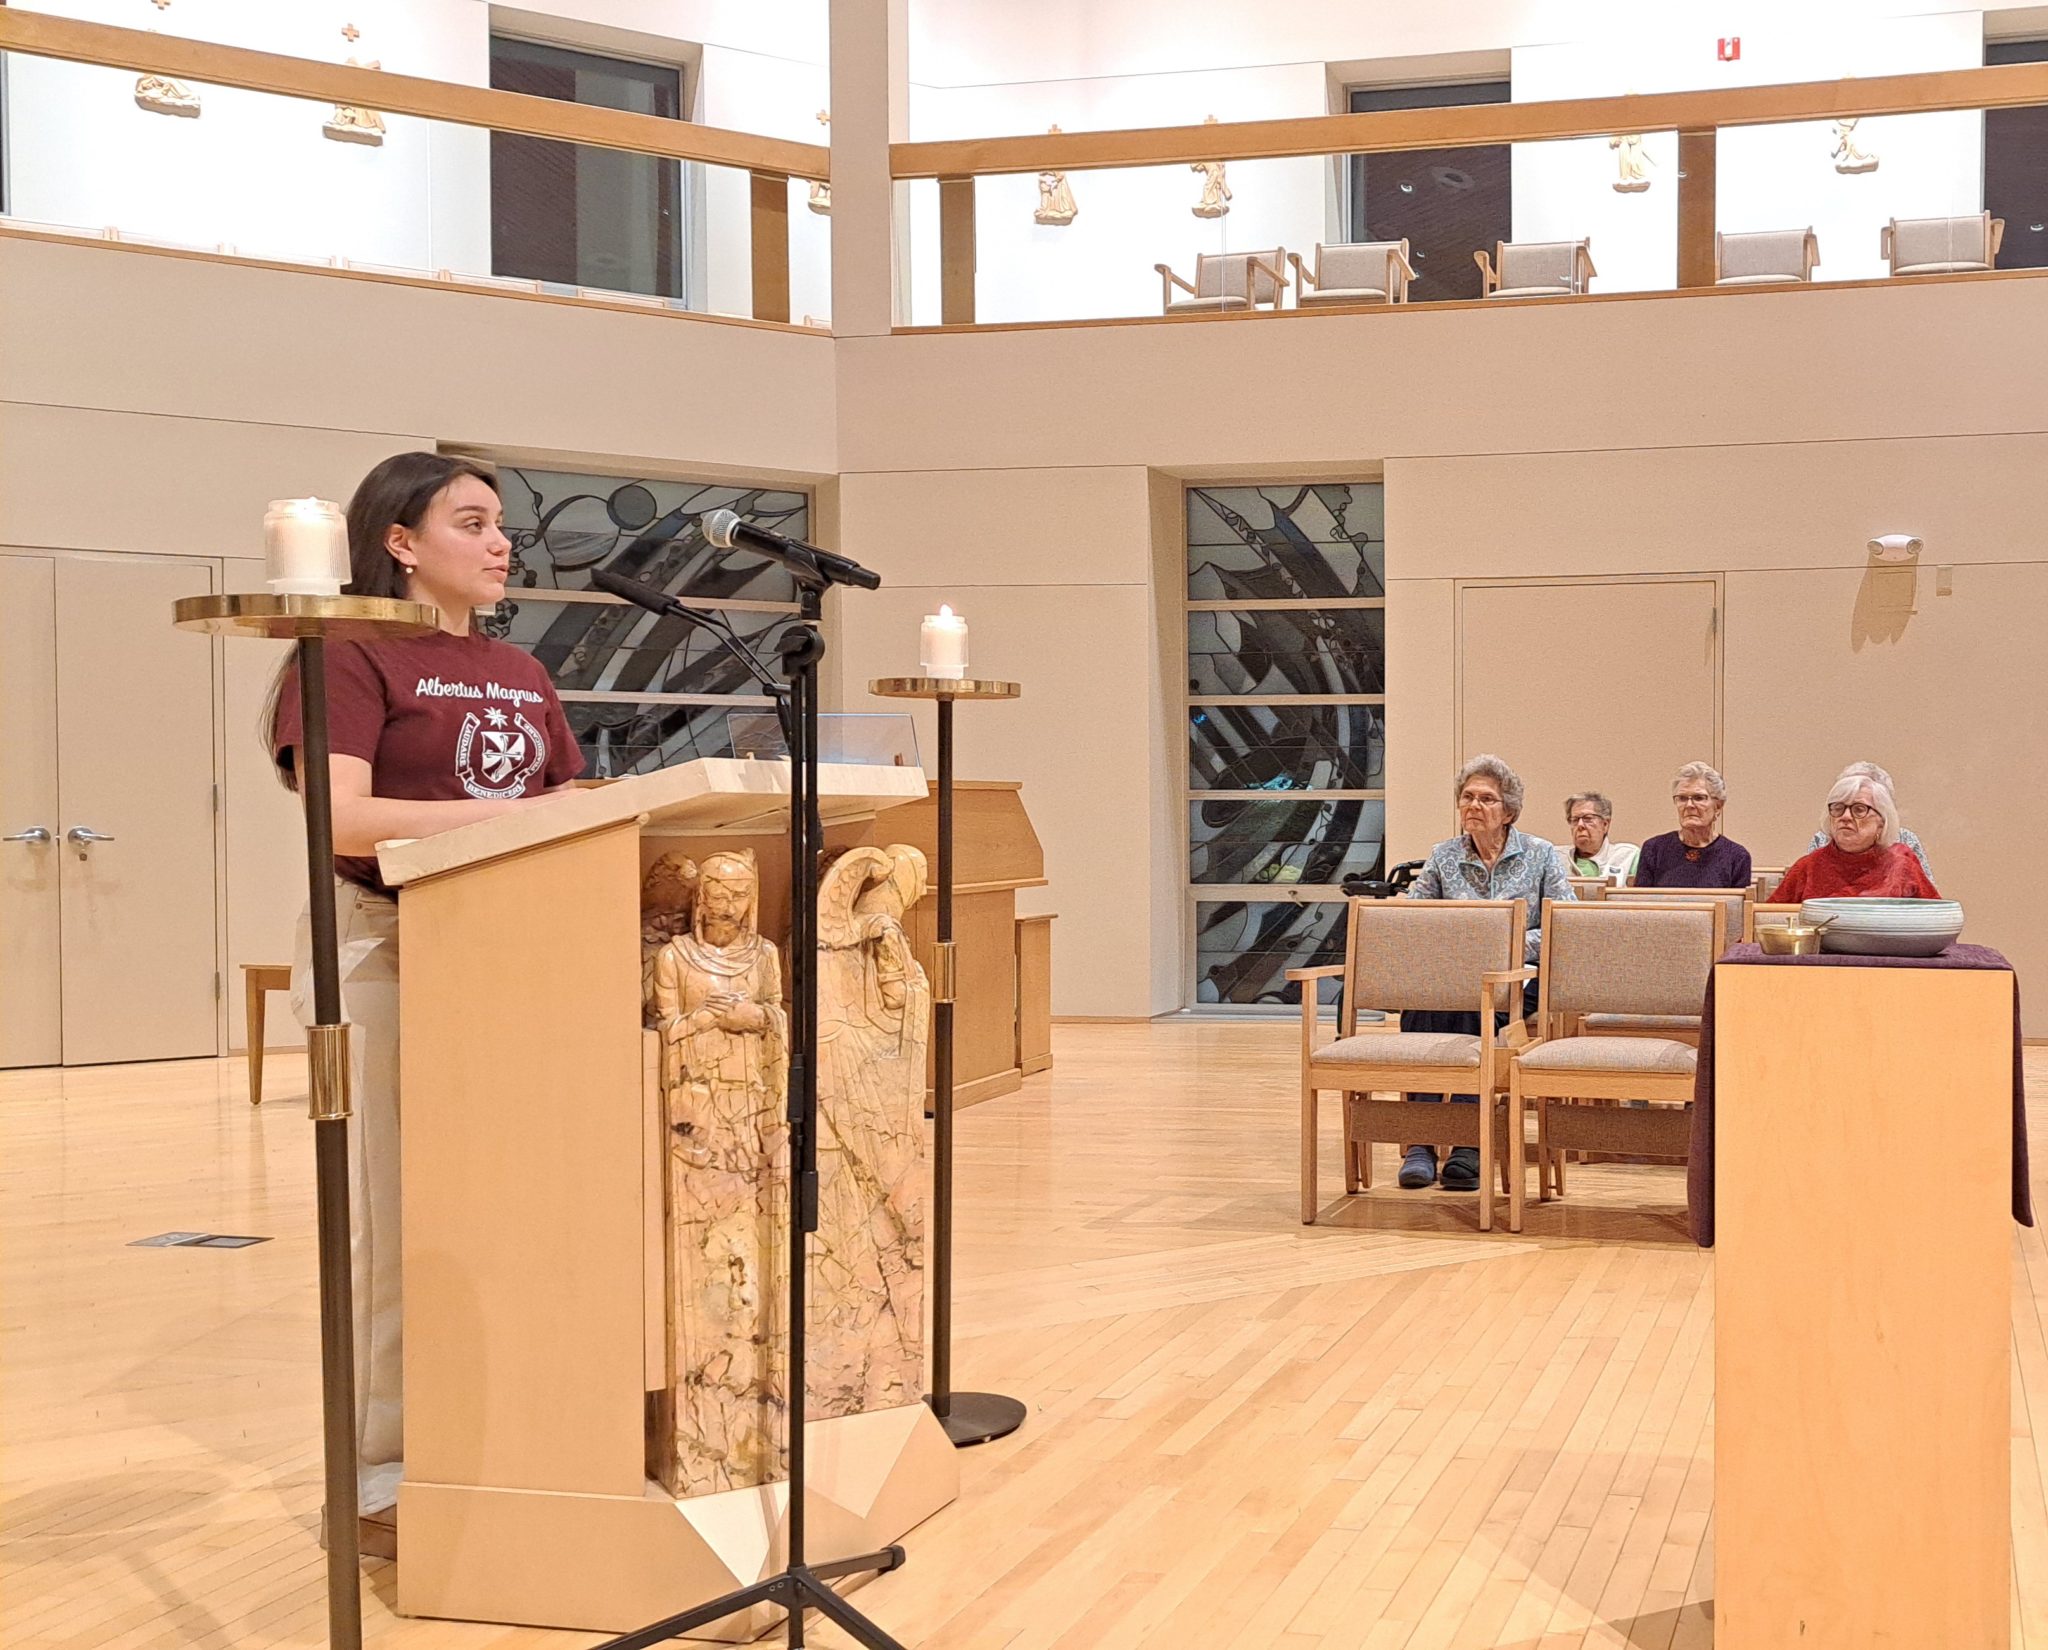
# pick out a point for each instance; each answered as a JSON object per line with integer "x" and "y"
{"x": 328, "y": 1096}
{"x": 945, "y": 973}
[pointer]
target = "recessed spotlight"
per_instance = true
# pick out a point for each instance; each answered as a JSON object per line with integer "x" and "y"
{"x": 1407, "y": 188}
{"x": 2036, "y": 228}
{"x": 1420, "y": 256}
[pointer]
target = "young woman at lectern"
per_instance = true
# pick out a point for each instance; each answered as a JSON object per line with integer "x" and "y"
{"x": 426, "y": 733}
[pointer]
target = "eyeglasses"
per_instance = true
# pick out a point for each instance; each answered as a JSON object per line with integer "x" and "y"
{"x": 1472, "y": 799}
{"x": 1587, "y": 819}
{"x": 1855, "y": 810}
{"x": 1690, "y": 798}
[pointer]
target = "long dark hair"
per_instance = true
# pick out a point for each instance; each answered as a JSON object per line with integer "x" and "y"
{"x": 396, "y": 493}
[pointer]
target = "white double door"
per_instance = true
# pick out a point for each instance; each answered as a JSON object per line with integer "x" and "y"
{"x": 109, "y": 908}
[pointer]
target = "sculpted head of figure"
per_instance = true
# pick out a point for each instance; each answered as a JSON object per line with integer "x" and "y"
{"x": 669, "y": 886}
{"x": 903, "y": 886}
{"x": 727, "y": 890}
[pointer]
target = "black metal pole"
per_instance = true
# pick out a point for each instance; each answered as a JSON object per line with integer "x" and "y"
{"x": 327, "y": 1047}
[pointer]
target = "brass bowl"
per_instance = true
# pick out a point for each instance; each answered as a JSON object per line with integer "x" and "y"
{"x": 1791, "y": 939}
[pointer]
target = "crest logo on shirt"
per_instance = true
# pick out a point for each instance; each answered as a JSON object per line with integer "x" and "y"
{"x": 496, "y": 754}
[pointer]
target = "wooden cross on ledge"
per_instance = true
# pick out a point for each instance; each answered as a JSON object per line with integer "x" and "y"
{"x": 349, "y": 31}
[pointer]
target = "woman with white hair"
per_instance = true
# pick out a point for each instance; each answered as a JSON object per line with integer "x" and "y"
{"x": 1870, "y": 770}
{"x": 1489, "y": 859}
{"x": 1696, "y": 855}
{"x": 1863, "y": 855}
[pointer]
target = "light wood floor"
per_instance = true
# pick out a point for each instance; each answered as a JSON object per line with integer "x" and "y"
{"x": 1383, "y": 1431}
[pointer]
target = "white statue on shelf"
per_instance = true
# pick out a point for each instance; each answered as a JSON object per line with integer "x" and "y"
{"x": 866, "y": 1309}
{"x": 1216, "y": 197}
{"x": 1849, "y": 159}
{"x": 161, "y": 95}
{"x": 1056, "y": 207}
{"x": 1634, "y": 162}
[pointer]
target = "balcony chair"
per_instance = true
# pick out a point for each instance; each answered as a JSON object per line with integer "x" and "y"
{"x": 1226, "y": 281}
{"x": 1536, "y": 269}
{"x": 1355, "y": 272}
{"x": 1460, "y": 955}
{"x": 1765, "y": 257}
{"x": 1941, "y": 246}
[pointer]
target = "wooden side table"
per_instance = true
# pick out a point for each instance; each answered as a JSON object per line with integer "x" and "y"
{"x": 258, "y": 978}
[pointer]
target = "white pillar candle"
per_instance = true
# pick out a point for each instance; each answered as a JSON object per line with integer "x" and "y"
{"x": 942, "y": 644}
{"x": 305, "y": 547}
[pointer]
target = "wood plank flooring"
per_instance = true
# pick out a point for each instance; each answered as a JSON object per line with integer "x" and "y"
{"x": 1382, "y": 1431}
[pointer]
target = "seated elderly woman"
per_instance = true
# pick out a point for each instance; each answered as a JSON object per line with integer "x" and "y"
{"x": 1870, "y": 770}
{"x": 1489, "y": 859}
{"x": 1696, "y": 855}
{"x": 1591, "y": 817}
{"x": 1863, "y": 856}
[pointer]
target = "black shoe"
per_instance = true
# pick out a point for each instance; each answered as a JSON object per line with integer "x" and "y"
{"x": 1418, "y": 1168}
{"x": 1461, "y": 1169}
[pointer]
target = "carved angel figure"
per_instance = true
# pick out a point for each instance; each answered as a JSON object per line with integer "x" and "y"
{"x": 716, "y": 998}
{"x": 1634, "y": 162}
{"x": 1847, "y": 157}
{"x": 874, "y": 1027}
{"x": 1215, "y": 201}
{"x": 1056, "y": 206}
{"x": 352, "y": 124}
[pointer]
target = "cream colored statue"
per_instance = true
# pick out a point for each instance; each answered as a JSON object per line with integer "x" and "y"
{"x": 1215, "y": 201}
{"x": 1634, "y": 162}
{"x": 352, "y": 124}
{"x": 161, "y": 95}
{"x": 1847, "y": 157}
{"x": 866, "y": 1307}
{"x": 716, "y": 999}
{"x": 820, "y": 201}
{"x": 1055, "y": 199}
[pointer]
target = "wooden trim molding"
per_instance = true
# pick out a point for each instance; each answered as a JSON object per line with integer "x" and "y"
{"x": 2000, "y": 86}
{"x": 38, "y": 34}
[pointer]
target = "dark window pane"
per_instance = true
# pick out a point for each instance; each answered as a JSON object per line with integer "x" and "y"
{"x": 578, "y": 215}
{"x": 1285, "y": 842}
{"x": 1446, "y": 203}
{"x": 625, "y": 738}
{"x": 595, "y": 647}
{"x": 1287, "y": 650}
{"x": 1243, "y": 950}
{"x": 1286, "y": 747}
{"x": 2016, "y": 165}
{"x": 1286, "y": 543}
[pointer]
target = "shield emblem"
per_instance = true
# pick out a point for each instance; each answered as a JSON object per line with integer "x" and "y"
{"x": 502, "y": 752}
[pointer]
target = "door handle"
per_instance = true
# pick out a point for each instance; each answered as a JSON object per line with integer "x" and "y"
{"x": 82, "y": 837}
{"x": 35, "y": 833}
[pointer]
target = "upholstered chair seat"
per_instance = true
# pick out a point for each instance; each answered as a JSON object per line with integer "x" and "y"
{"x": 1402, "y": 1048}
{"x": 1765, "y": 257}
{"x": 1616, "y": 1054}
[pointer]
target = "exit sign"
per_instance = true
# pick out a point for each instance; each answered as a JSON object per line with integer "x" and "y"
{"x": 1728, "y": 49}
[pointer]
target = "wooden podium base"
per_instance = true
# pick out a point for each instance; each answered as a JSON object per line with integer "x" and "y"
{"x": 607, "y": 1563}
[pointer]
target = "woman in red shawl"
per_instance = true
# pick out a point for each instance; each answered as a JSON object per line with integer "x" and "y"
{"x": 1863, "y": 854}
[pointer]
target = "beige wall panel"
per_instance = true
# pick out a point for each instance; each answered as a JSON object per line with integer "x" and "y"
{"x": 188, "y": 486}
{"x": 102, "y": 327}
{"x": 31, "y": 953}
{"x": 1824, "y": 669}
{"x": 1422, "y": 745}
{"x": 135, "y": 716}
{"x": 1682, "y": 509}
{"x": 266, "y": 844}
{"x": 1593, "y": 686}
{"x": 1895, "y": 361}
{"x": 999, "y": 526}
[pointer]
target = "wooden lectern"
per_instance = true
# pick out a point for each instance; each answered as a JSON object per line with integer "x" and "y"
{"x": 532, "y": 1207}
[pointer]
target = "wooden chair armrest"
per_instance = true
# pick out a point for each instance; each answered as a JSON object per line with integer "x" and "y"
{"x": 1303, "y": 280}
{"x": 1397, "y": 259}
{"x": 1490, "y": 986}
{"x": 1329, "y": 971}
{"x": 1176, "y": 281}
{"x": 1487, "y": 279}
{"x": 1997, "y": 238}
{"x": 1278, "y": 272}
{"x": 1884, "y": 243}
{"x": 1810, "y": 254}
{"x": 1585, "y": 265}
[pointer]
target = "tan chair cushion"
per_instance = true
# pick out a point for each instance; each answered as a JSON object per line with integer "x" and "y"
{"x": 1530, "y": 292}
{"x": 1612, "y": 1054}
{"x": 1402, "y": 1048}
{"x": 1759, "y": 280}
{"x": 1309, "y": 297}
{"x": 1206, "y": 306}
{"x": 1959, "y": 267}
{"x": 1642, "y": 1022}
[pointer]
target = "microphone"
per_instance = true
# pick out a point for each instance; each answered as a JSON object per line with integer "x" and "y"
{"x": 724, "y": 529}
{"x": 661, "y": 602}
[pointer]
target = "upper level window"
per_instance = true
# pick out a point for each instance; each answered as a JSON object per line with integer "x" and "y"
{"x": 1446, "y": 203}
{"x": 2015, "y": 182}
{"x": 575, "y": 214}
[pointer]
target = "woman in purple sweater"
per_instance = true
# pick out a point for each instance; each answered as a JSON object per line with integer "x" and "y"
{"x": 1696, "y": 855}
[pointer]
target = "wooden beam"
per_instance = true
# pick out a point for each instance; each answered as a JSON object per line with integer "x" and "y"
{"x": 2001, "y": 86}
{"x": 956, "y": 251}
{"x": 1696, "y": 222}
{"x": 771, "y": 246}
{"x": 38, "y": 34}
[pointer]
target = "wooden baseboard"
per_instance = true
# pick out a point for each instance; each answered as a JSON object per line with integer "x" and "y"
{"x": 1034, "y": 1064}
{"x": 980, "y": 1089}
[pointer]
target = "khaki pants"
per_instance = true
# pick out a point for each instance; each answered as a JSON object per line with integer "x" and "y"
{"x": 366, "y": 938}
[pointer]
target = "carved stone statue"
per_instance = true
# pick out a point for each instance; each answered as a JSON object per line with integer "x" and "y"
{"x": 716, "y": 998}
{"x": 1056, "y": 206}
{"x": 1847, "y": 157}
{"x": 352, "y": 124}
{"x": 1215, "y": 201}
{"x": 866, "y": 1307}
{"x": 1634, "y": 162}
{"x": 164, "y": 96}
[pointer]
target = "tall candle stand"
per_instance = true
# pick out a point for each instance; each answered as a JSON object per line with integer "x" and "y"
{"x": 968, "y": 1417}
{"x": 313, "y": 621}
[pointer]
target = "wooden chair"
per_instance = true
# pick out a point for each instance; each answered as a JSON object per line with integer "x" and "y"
{"x": 1739, "y": 903}
{"x": 1609, "y": 958}
{"x": 1355, "y": 272}
{"x": 1765, "y": 257}
{"x": 258, "y": 978}
{"x": 1226, "y": 281}
{"x": 1589, "y": 887}
{"x": 1536, "y": 269}
{"x": 1458, "y": 955}
{"x": 1764, "y": 882}
{"x": 1942, "y": 246}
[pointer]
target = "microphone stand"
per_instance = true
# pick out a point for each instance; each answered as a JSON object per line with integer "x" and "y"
{"x": 799, "y": 1585}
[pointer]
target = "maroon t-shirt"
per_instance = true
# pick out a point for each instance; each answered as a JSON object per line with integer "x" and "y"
{"x": 439, "y": 718}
